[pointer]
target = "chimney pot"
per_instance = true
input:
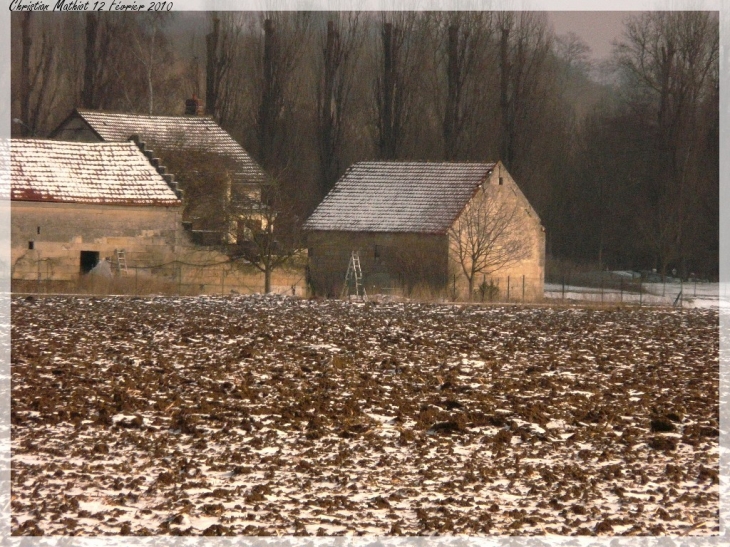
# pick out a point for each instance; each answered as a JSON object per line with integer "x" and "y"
{"x": 193, "y": 107}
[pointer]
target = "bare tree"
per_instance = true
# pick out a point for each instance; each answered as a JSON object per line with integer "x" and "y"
{"x": 215, "y": 66}
{"x": 146, "y": 47}
{"x": 574, "y": 52}
{"x": 468, "y": 35}
{"x": 222, "y": 85}
{"x": 487, "y": 236}
{"x": 394, "y": 82}
{"x": 268, "y": 234}
{"x": 283, "y": 45}
{"x": 38, "y": 74}
{"x": 342, "y": 41}
{"x": 96, "y": 59}
{"x": 524, "y": 44}
{"x": 668, "y": 60}
{"x": 25, "y": 72}
{"x": 119, "y": 63}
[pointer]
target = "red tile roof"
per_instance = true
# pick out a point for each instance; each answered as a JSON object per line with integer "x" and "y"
{"x": 380, "y": 196}
{"x": 71, "y": 172}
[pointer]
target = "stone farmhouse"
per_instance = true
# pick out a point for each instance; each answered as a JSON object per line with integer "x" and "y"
{"x": 222, "y": 183}
{"x": 429, "y": 227}
{"x": 105, "y": 208}
{"x": 74, "y": 205}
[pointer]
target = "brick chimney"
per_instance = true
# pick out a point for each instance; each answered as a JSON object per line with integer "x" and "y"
{"x": 194, "y": 107}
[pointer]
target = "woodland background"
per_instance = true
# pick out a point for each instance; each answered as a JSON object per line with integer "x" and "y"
{"x": 620, "y": 160}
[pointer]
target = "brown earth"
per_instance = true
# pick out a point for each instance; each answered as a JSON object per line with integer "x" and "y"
{"x": 270, "y": 415}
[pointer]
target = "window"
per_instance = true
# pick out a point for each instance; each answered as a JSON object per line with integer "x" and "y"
{"x": 31, "y": 245}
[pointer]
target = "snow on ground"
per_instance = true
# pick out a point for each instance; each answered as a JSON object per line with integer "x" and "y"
{"x": 693, "y": 295}
{"x": 271, "y": 415}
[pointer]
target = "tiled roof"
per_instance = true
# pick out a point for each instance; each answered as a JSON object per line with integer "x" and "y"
{"x": 71, "y": 172}
{"x": 399, "y": 197}
{"x": 175, "y": 132}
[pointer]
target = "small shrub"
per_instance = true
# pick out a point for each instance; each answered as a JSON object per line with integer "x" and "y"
{"x": 488, "y": 291}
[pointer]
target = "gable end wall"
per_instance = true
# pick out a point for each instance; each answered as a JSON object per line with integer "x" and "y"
{"x": 75, "y": 129}
{"x": 528, "y": 273}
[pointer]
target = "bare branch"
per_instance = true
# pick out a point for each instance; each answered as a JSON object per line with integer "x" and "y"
{"x": 487, "y": 236}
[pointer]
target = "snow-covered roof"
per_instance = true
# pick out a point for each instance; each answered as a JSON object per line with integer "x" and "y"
{"x": 172, "y": 133}
{"x": 419, "y": 197}
{"x": 72, "y": 172}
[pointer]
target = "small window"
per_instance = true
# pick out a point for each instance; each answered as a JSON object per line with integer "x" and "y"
{"x": 31, "y": 245}
{"x": 38, "y": 230}
{"x": 501, "y": 181}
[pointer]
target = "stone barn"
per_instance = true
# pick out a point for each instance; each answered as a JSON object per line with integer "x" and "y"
{"x": 459, "y": 230}
{"x": 222, "y": 183}
{"x": 73, "y": 205}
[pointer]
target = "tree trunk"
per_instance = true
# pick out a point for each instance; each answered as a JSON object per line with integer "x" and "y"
{"x": 387, "y": 137}
{"x": 505, "y": 103}
{"x": 452, "y": 98}
{"x": 267, "y": 280}
{"x": 327, "y": 105}
{"x": 25, "y": 90}
{"x": 211, "y": 87}
{"x": 90, "y": 58}
{"x": 268, "y": 101}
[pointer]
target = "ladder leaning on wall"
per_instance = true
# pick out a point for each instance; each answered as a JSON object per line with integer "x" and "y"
{"x": 120, "y": 261}
{"x": 354, "y": 277}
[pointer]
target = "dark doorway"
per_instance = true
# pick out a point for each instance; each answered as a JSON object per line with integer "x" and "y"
{"x": 89, "y": 259}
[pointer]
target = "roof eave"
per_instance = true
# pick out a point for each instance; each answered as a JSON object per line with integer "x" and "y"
{"x": 421, "y": 232}
{"x": 121, "y": 202}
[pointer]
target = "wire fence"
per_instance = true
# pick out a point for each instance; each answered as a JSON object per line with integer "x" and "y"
{"x": 628, "y": 288}
{"x": 172, "y": 278}
{"x": 190, "y": 278}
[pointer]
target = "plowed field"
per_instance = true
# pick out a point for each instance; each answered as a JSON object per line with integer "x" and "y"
{"x": 271, "y": 415}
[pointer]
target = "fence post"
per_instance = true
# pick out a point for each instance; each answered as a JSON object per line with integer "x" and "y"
{"x": 601, "y": 287}
{"x": 622, "y": 289}
{"x": 681, "y": 293}
{"x": 640, "y": 292}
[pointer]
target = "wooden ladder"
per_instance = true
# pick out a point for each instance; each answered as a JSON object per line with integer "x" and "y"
{"x": 354, "y": 276}
{"x": 121, "y": 261}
